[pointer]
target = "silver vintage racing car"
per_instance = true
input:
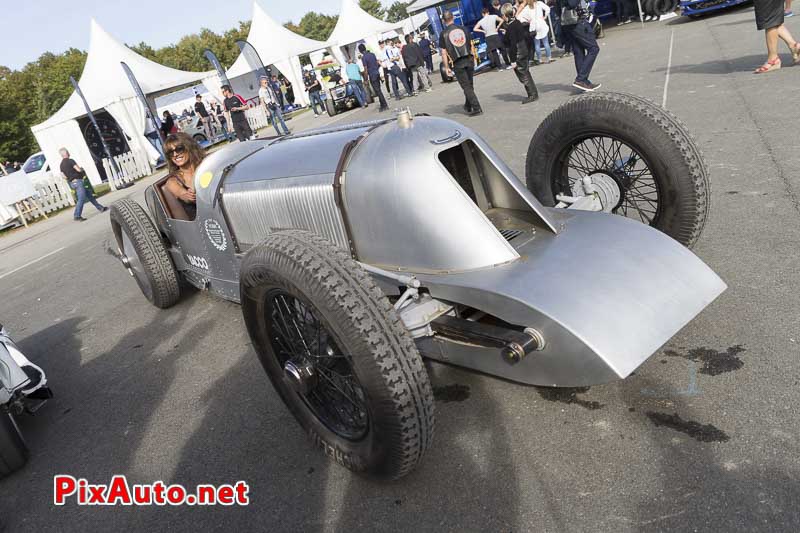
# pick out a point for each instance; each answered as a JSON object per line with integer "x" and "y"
{"x": 353, "y": 259}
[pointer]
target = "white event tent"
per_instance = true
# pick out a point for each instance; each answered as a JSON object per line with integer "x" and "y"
{"x": 105, "y": 86}
{"x": 356, "y": 25}
{"x": 278, "y": 46}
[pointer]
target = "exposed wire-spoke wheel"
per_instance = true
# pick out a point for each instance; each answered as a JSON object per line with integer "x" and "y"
{"x": 337, "y": 354}
{"x": 632, "y": 148}
{"x": 143, "y": 253}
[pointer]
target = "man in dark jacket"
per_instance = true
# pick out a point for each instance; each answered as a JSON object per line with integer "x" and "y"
{"x": 427, "y": 53}
{"x": 373, "y": 70}
{"x": 580, "y": 34}
{"x": 516, "y": 39}
{"x": 415, "y": 63}
{"x": 74, "y": 175}
{"x": 456, "y": 46}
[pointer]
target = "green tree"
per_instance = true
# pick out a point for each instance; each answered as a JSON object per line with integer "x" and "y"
{"x": 373, "y": 7}
{"x": 314, "y": 25}
{"x": 397, "y": 11}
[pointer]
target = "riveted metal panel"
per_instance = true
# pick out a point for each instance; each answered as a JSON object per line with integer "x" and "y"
{"x": 257, "y": 208}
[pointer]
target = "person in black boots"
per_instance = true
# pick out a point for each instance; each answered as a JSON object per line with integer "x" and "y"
{"x": 576, "y": 27}
{"x": 517, "y": 43}
{"x": 457, "y": 47}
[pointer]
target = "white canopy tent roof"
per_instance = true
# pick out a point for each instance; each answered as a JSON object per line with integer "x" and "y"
{"x": 273, "y": 42}
{"x": 103, "y": 81}
{"x": 355, "y": 24}
{"x": 278, "y": 46}
{"x": 414, "y": 22}
{"x": 419, "y": 5}
{"x": 105, "y": 86}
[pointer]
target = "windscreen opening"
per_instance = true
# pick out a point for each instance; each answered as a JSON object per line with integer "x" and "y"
{"x": 460, "y": 163}
{"x": 490, "y": 189}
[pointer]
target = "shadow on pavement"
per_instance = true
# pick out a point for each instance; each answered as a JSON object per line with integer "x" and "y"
{"x": 248, "y": 433}
{"x": 100, "y": 415}
{"x": 700, "y": 490}
{"x": 721, "y": 66}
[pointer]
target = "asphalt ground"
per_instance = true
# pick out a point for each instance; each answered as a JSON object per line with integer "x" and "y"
{"x": 704, "y": 436}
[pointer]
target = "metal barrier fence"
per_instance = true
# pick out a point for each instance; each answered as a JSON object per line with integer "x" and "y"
{"x": 131, "y": 165}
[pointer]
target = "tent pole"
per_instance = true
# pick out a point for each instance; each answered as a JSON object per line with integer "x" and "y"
{"x": 641, "y": 14}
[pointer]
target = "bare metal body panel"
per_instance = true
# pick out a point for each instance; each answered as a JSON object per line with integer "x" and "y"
{"x": 605, "y": 292}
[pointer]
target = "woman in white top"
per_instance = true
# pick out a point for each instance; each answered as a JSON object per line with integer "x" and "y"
{"x": 541, "y": 29}
{"x": 524, "y": 14}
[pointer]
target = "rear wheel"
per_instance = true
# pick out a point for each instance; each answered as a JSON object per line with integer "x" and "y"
{"x": 633, "y": 149}
{"x": 337, "y": 354}
{"x": 199, "y": 138}
{"x": 13, "y": 452}
{"x": 143, "y": 254}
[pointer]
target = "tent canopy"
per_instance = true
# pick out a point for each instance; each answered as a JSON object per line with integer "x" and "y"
{"x": 355, "y": 24}
{"x": 273, "y": 42}
{"x": 103, "y": 81}
{"x": 419, "y": 5}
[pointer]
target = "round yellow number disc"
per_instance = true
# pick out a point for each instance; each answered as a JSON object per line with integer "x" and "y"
{"x": 205, "y": 179}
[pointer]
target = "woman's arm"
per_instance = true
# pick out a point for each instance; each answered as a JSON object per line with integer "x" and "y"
{"x": 187, "y": 195}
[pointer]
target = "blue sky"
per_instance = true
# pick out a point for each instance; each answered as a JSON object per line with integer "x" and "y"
{"x": 32, "y": 27}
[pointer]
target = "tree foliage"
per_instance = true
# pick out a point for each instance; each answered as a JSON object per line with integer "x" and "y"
{"x": 397, "y": 11}
{"x": 317, "y": 26}
{"x": 373, "y": 7}
{"x": 30, "y": 95}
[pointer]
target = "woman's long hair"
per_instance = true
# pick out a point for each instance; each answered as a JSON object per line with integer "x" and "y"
{"x": 195, "y": 152}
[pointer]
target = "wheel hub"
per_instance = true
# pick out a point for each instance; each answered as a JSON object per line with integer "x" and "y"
{"x": 300, "y": 375}
{"x": 607, "y": 189}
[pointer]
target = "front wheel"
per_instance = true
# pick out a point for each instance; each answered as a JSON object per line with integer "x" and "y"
{"x": 632, "y": 148}
{"x": 143, "y": 253}
{"x": 13, "y": 452}
{"x": 330, "y": 107}
{"x": 338, "y": 355}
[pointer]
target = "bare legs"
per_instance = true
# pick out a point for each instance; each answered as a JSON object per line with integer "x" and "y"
{"x": 772, "y": 35}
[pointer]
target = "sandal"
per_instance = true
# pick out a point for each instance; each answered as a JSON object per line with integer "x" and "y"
{"x": 775, "y": 64}
{"x": 796, "y": 53}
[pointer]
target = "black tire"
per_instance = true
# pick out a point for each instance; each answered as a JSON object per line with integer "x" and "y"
{"x": 199, "y": 137}
{"x": 13, "y": 452}
{"x": 675, "y": 170}
{"x": 386, "y": 373}
{"x": 150, "y": 262}
{"x": 330, "y": 107}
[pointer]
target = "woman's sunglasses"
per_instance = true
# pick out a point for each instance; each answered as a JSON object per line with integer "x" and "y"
{"x": 177, "y": 150}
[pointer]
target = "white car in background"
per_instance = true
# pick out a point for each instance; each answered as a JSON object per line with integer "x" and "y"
{"x": 36, "y": 167}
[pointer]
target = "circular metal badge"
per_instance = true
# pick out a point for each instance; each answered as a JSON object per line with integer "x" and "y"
{"x": 216, "y": 234}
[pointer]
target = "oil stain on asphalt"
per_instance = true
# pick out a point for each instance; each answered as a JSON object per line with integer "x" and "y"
{"x": 451, "y": 393}
{"x": 568, "y": 395}
{"x": 696, "y": 430}
{"x": 713, "y": 362}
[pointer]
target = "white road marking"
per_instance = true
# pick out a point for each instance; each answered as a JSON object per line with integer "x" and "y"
{"x": 669, "y": 66}
{"x": 31, "y": 262}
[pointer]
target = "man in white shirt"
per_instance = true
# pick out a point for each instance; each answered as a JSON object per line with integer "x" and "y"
{"x": 390, "y": 59}
{"x": 270, "y": 104}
